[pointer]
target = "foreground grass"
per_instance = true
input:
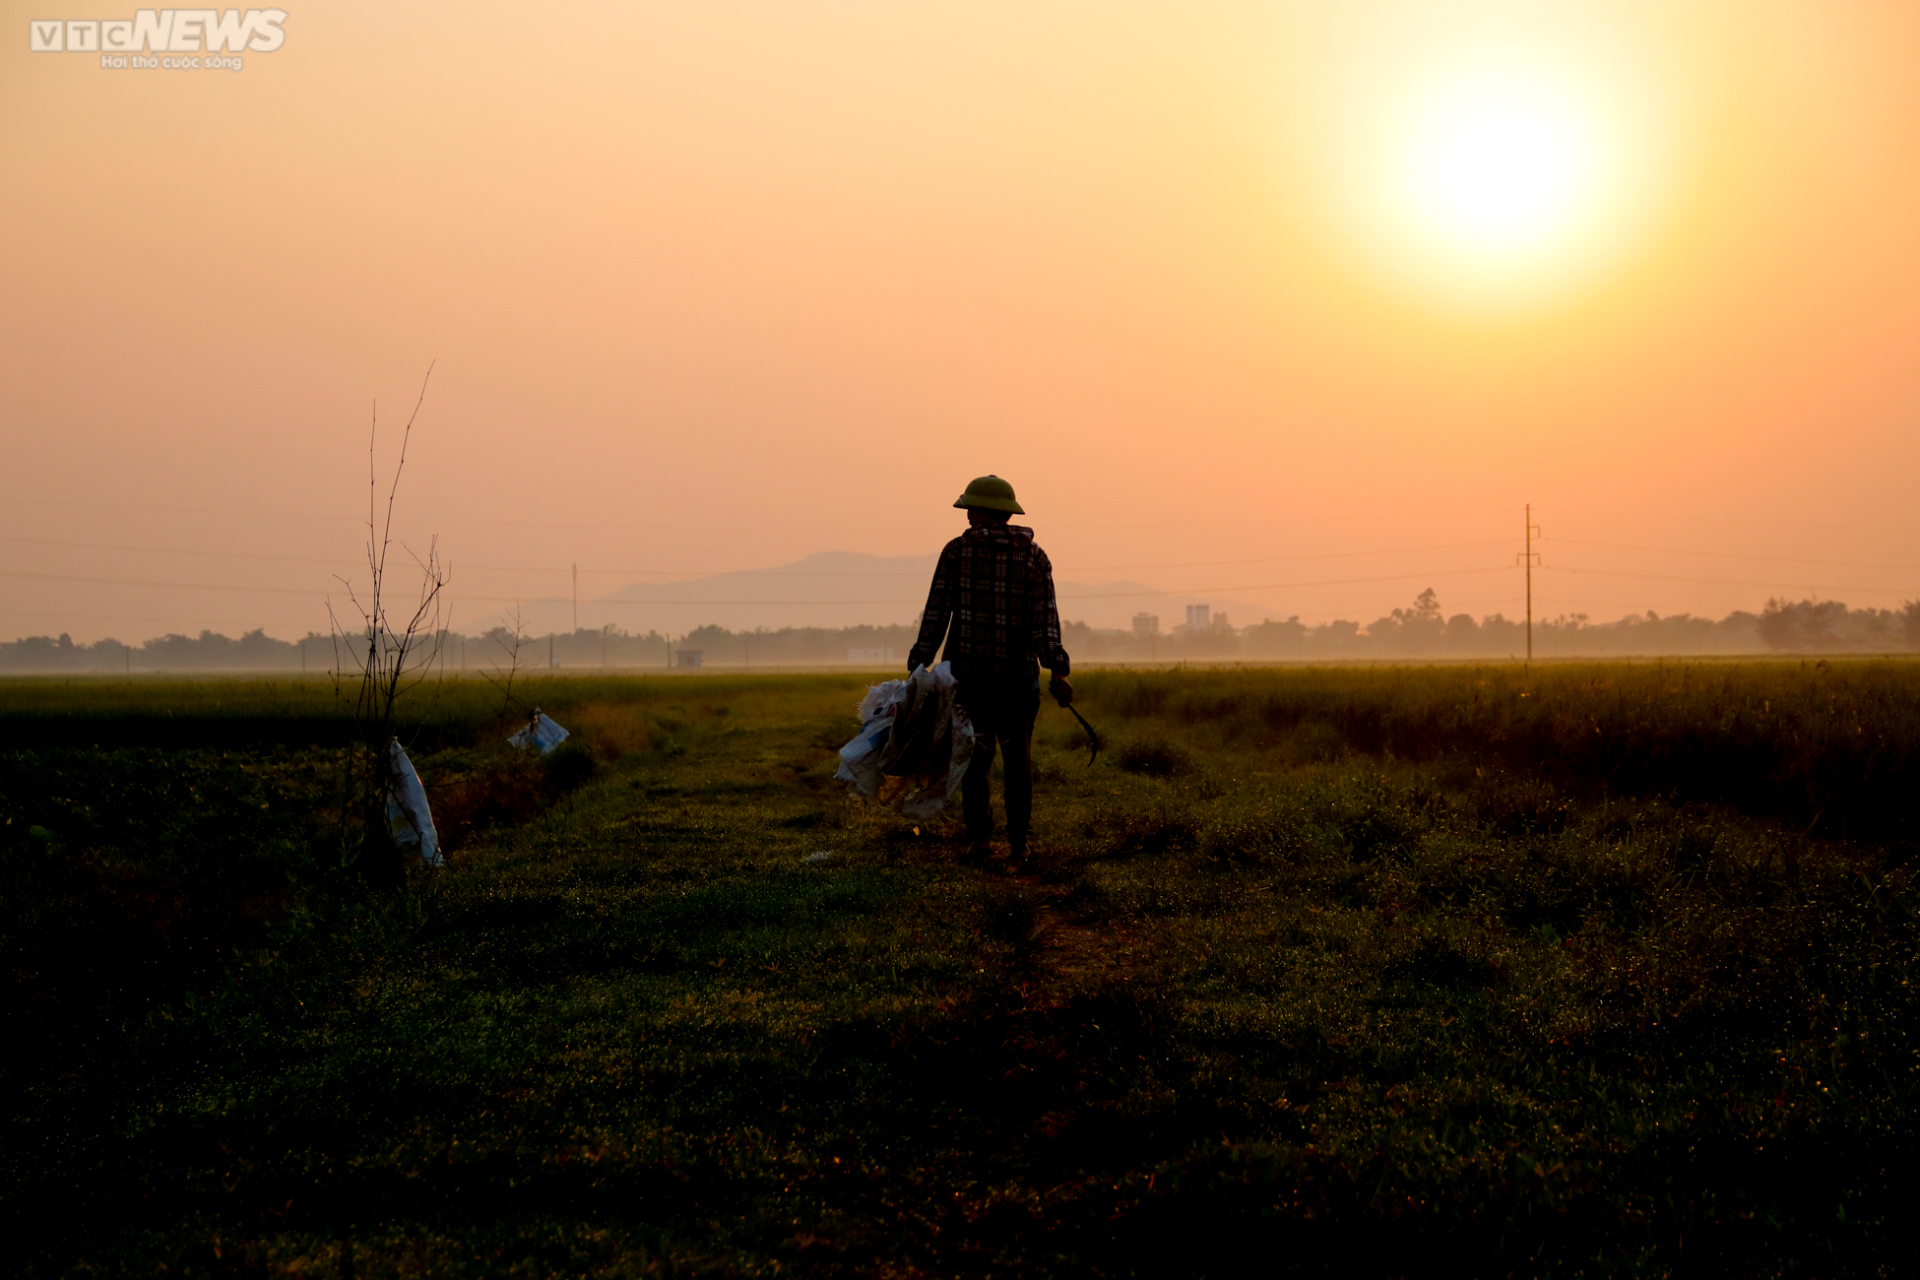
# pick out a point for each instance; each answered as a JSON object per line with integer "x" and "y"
{"x": 1599, "y": 970}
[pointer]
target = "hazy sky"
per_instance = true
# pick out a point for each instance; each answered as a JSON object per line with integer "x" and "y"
{"x": 1242, "y": 297}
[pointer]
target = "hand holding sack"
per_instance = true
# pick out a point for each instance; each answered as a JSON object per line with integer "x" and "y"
{"x": 912, "y": 729}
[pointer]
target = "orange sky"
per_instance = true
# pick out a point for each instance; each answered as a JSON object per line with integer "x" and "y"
{"x": 713, "y": 286}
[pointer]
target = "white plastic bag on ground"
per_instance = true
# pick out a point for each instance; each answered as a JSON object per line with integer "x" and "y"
{"x": 408, "y": 818}
{"x": 541, "y": 734}
{"x": 914, "y": 730}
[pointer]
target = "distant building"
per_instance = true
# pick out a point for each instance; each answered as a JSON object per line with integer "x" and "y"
{"x": 687, "y": 657}
{"x": 1146, "y": 626}
{"x": 876, "y": 656}
{"x": 1199, "y": 616}
{"x": 1220, "y": 622}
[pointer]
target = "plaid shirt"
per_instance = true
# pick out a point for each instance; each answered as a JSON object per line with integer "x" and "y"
{"x": 995, "y": 586}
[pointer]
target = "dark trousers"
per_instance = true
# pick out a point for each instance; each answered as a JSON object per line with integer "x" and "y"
{"x": 1002, "y": 710}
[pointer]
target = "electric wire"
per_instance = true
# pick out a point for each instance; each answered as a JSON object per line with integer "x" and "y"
{"x": 918, "y": 572}
{"x": 418, "y": 522}
{"x": 1696, "y": 519}
{"x": 7, "y": 610}
{"x": 612, "y": 600}
{"x": 1774, "y": 585}
{"x": 1737, "y": 555}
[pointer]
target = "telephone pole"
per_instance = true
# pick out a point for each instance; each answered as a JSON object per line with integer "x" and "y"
{"x": 576, "y": 597}
{"x": 1528, "y": 559}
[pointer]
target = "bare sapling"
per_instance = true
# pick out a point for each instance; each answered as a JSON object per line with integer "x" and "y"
{"x": 500, "y": 676}
{"x": 391, "y": 648}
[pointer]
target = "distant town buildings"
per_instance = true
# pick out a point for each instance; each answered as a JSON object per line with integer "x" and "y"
{"x": 1199, "y": 617}
{"x": 1146, "y": 626}
{"x": 687, "y": 658}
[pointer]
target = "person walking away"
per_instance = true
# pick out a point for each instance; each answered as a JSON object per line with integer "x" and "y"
{"x": 992, "y": 602}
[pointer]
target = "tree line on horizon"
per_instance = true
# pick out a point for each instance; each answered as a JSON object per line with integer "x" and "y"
{"x": 1423, "y": 629}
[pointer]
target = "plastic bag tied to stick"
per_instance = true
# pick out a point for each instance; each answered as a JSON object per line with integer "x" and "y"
{"x": 913, "y": 746}
{"x": 409, "y": 821}
{"x": 541, "y": 734}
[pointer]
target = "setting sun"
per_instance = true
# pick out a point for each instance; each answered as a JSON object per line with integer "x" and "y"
{"x": 1495, "y": 175}
{"x": 1500, "y": 166}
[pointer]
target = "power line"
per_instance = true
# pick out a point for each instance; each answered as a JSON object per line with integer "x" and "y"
{"x": 1130, "y": 524}
{"x": 1611, "y": 604}
{"x": 1308, "y": 618}
{"x": 1775, "y": 585}
{"x": 136, "y": 582}
{"x": 178, "y": 511}
{"x": 478, "y": 568}
{"x": 1318, "y": 555}
{"x": 7, "y": 610}
{"x": 757, "y": 573}
{"x": 464, "y": 597}
{"x": 1779, "y": 524}
{"x": 737, "y": 528}
{"x": 1286, "y": 586}
{"x": 171, "y": 551}
{"x": 610, "y": 600}
{"x": 1738, "y": 555}
{"x": 476, "y": 523}
{"x": 1104, "y": 595}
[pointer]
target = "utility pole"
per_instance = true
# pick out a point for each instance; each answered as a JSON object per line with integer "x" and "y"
{"x": 1528, "y": 559}
{"x": 576, "y": 597}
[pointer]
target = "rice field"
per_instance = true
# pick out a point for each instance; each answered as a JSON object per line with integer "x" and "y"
{"x": 1582, "y": 970}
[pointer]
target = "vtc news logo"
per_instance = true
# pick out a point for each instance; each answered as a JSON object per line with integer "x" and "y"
{"x": 140, "y": 40}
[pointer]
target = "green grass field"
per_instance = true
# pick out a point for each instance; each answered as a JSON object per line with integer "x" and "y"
{"x": 1591, "y": 970}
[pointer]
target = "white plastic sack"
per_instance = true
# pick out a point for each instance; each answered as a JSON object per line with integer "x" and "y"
{"x": 408, "y": 817}
{"x": 541, "y": 734}
{"x": 860, "y": 759}
{"x": 914, "y": 729}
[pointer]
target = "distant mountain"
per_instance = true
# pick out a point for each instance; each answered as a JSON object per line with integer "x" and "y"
{"x": 828, "y": 589}
{"x": 833, "y": 589}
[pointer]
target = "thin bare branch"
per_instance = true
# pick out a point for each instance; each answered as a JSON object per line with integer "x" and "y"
{"x": 388, "y": 659}
{"x": 406, "y": 437}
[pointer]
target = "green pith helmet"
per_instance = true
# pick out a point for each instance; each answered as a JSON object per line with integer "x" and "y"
{"x": 990, "y": 493}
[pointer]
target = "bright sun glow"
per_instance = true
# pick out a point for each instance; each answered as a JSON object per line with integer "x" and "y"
{"x": 1496, "y": 176}
{"x": 1500, "y": 166}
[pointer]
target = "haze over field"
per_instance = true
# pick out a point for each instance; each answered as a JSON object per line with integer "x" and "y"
{"x": 830, "y": 589}
{"x": 1280, "y": 306}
